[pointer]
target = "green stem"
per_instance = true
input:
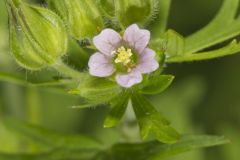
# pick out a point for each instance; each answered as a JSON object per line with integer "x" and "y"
{"x": 67, "y": 71}
{"x": 33, "y": 105}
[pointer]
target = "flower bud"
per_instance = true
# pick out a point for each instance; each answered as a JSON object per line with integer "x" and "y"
{"x": 107, "y": 7}
{"x": 134, "y": 11}
{"x": 38, "y": 37}
{"x": 82, "y": 16}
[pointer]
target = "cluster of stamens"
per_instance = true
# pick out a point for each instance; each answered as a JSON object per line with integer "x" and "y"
{"x": 124, "y": 56}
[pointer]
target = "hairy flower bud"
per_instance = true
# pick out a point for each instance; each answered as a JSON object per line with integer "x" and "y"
{"x": 38, "y": 37}
{"x": 82, "y": 16}
{"x": 134, "y": 11}
{"x": 107, "y": 7}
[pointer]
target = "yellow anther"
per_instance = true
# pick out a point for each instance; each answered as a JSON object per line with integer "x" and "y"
{"x": 123, "y": 55}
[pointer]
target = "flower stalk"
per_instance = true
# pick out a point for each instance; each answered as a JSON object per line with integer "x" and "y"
{"x": 65, "y": 70}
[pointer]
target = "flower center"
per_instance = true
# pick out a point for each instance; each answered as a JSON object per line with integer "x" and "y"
{"x": 123, "y": 55}
{"x": 124, "y": 59}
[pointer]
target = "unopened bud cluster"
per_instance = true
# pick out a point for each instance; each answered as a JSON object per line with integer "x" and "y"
{"x": 37, "y": 35}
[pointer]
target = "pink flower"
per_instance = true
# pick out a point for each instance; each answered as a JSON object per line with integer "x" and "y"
{"x": 126, "y": 57}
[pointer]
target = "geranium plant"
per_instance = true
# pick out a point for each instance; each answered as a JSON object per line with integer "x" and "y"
{"x": 127, "y": 46}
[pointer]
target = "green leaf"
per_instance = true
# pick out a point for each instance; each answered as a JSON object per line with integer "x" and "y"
{"x": 189, "y": 143}
{"x": 178, "y": 49}
{"x": 127, "y": 151}
{"x": 58, "y": 154}
{"x": 156, "y": 151}
{"x": 175, "y": 44}
{"x": 171, "y": 44}
{"x": 97, "y": 90}
{"x": 119, "y": 106}
{"x": 159, "y": 24}
{"x": 51, "y": 138}
{"x": 230, "y": 49}
{"x": 159, "y": 44}
{"x": 224, "y": 26}
{"x": 149, "y": 119}
{"x": 157, "y": 84}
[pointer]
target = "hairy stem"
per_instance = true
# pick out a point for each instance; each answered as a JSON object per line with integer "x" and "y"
{"x": 65, "y": 70}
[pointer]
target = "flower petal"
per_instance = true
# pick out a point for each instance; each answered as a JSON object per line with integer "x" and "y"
{"x": 147, "y": 63}
{"x": 129, "y": 79}
{"x": 107, "y": 41}
{"x": 137, "y": 38}
{"x": 100, "y": 65}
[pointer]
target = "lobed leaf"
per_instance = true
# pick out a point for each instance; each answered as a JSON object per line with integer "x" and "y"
{"x": 230, "y": 49}
{"x": 224, "y": 26}
{"x": 188, "y": 143}
{"x": 119, "y": 106}
{"x": 175, "y": 44}
{"x": 152, "y": 150}
{"x": 180, "y": 49}
{"x": 156, "y": 151}
{"x": 149, "y": 119}
{"x": 81, "y": 147}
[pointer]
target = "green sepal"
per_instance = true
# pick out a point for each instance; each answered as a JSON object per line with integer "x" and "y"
{"x": 119, "y": 106}
{"x": 107, "y": 8}
{"x": 149, "y": 119}
{"x": 82, "y": 17}
{"x": 156, "y": 84}
{"x": 134, "y": 11}
{"x": 107, "y": 11}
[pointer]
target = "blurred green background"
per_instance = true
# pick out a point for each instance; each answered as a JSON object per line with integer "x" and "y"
{"x": 204, "y": 97}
